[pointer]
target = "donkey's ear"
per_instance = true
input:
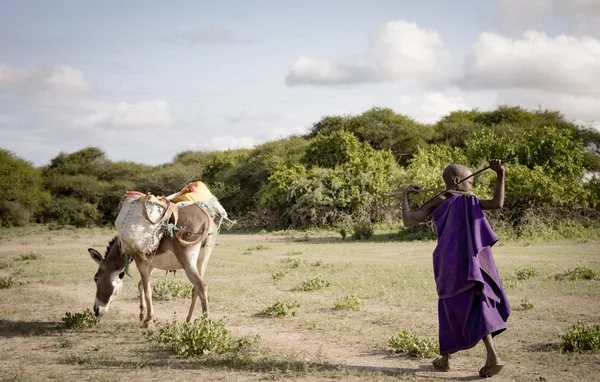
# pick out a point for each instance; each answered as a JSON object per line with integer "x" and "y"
{"x": 96, "y": 256}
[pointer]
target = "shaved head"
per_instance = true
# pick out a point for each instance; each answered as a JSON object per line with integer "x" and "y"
{"x": 454, "y": 173}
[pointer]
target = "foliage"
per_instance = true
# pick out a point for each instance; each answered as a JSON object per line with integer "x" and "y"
{"x": 348, "y": 302}
{"x": 84, "y": 320}
{"x": 408, "y": 343}
{"x": 70, "y": 211}
{"x": 526, "y": 273}
{"x": 281, "y": 309}
{"x": 526, "y": 304}
{"x": 581, "y": 337}
{"x": 295, "y": 262}
{"x": 314, "y": 283}
{"x": 162, "y": 291}
{"x": 203, "y": 336}
{"x": 362, "y": 230}
{"x": 20, "y": 190}
{"x": 276, "y": 276}
{"x": 8, "y": 282}
{"x": 578, "y": 273}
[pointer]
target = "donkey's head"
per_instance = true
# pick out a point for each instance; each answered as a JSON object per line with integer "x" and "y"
{"x": 109, "y": 277}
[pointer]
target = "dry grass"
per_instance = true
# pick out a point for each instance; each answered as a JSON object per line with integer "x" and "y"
{"x": 393, "y": 279}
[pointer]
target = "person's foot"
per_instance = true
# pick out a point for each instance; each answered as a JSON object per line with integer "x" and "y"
{"x": 442, "y": 363}
{"x": 492, "y": 367}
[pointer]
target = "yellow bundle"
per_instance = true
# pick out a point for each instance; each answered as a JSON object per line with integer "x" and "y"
{"x": 194, "y": 192}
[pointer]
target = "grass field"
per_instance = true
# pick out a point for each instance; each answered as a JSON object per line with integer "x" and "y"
{"x": 47, "y": 273}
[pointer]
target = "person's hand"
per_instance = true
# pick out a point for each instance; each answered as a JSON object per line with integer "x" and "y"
{"x": 412, "y": 189}
{"x": 496, "y": 165}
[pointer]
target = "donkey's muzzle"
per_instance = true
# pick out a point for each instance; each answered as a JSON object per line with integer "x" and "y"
{"x": 96, "y": 310}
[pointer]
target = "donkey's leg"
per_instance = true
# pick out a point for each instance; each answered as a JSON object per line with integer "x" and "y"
{"x": 142, "y": 300}
{"x": 188, "y": 258}
{"x": 145, "y": 272}
{"x": 209, "y": 245}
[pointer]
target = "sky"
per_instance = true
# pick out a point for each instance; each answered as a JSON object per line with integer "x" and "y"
{"x": 145, "y": 80}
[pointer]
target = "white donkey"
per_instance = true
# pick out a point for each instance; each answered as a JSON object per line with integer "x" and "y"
{"x": 190, "y": 249}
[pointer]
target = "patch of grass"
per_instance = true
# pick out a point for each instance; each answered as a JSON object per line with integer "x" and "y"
{"x": 295, "y": 262}
{"x": 281, "y": 309}
{"x": 203, "y": 336}
{"x": 343, "y": 233}
{"x": 511, "y": 283}
{"x": 279, "y": 275}
{"x": 3, "y": 264}
{"x": 9, "y": 282}
{"x": 64, "y": 343}
{"x": 408, "y": 343}
{"x": 303, "y": 238}
{"x": 85, "y": 320}
{"x": 526, "y": 273}
{"x": 292, "y": 253}
{"x": 349, "y": 302}
{"x": 578, "y": 273}
{"x": 259, "y": 247}
{"x": 581, "y": 337}
{"x": 314, "y": 283}
{"x": 526, "y": 304}
{"x": 173, "y": 289}
{"x": 29, "y": 256}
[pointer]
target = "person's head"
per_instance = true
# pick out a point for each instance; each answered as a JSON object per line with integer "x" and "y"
{"x": 453, "y": 174}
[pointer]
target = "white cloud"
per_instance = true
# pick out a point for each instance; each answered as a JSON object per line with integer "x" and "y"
{"x": 136, "y": 116}
{"x": 535, "y": 61}
{"x": 47, "y": 80}
{"x": 581, "y": 16}
{"x": 398, "y": 51}
{"x": 437, "y": 105}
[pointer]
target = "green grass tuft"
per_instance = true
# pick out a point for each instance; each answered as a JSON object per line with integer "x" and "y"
{"x": 578, "y": 273}
{"x": 314, "y": 283}
{"x": 281, "y": 309}
{"x": 349, "y": 302}
{"x": 85, "y": 320}
{"x": 581, "y": 337}
{"x": 408, "y": 343}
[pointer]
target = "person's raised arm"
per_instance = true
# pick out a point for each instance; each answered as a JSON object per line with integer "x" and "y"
{"x": 498, "y": 200}
{"x": 412, "y": 218}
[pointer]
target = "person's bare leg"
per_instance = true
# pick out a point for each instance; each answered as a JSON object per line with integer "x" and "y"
{"x": 493, "y": 364}
{"x": 442, "y": 363}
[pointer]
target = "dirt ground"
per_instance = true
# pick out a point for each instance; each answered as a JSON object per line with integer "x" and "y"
{"x": 394, "y": 280}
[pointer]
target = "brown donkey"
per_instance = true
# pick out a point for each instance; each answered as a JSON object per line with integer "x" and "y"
{"x": 189, "y": 248}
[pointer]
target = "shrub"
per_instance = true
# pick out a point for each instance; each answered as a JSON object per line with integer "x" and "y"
{"x": 3, "y": 265}
{"x": 578, "y": 273}
{"x": 314, "y": 283}
{"x": 258, "y": 247}
{"x": 281, "y": 309}
{"x": 86, "y": 319}
{"x": 29, "y": 256}
{"x": 526, "y": 273}
{"x": 171, "y": 289}
{"x": 295, "y": 262}
{"x": 203, "y": 336}
{"x": 408, "y": 343}
{"x": 526, "y": 304}
{"x": 349, "y": 302}
{"x": 13, "y": 214}
{"x": 581, "y": 337}
{"x": 362, "y": 230}
{"x": 8, "y": 282}
{"x": 279, "y": 275}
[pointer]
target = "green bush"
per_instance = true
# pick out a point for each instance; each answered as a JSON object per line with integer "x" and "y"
{"x": 8, "y": 282}
{"x": 29, "y": 256}
{"x": 13, "y": 214}
{"x": 295, "y": 262}
{"x": 279, "y": 275}
{"x": 172, "y": 289}
{"x": 70, "y": 211}
{"x": 526, "y": 304}
{"x": 281, "y": 309}
{"x": 85, "y": 320}
{"x": 203, "y": 336}
{"x": 408, "y": 343}
{"x": 349, "y": 302}
{"x": 581, "y": 337}
{"x": 526, "y": 273}
{"x": 314, "y": 283}
{"x": 578, "y": 273}
{"x": 362, "y": 230}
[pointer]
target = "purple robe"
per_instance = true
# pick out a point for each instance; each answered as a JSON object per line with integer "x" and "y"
{"x": 472, "y": 302}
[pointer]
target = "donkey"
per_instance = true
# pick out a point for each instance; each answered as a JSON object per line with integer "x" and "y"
{"x": 190, "y": 249}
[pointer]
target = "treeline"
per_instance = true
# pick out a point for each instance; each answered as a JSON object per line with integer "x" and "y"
{"x": 337, "y": 174}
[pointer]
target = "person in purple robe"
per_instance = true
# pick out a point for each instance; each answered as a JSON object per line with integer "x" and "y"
{"x": 472, "y": 305}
